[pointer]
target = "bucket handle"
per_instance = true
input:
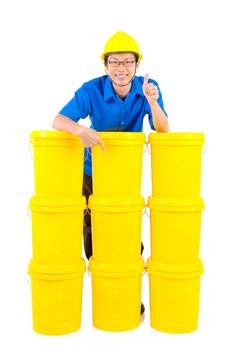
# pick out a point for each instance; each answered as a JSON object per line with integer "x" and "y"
{"x": 146, "y": 148}
{"x": 28, "y": 212}
{"x": 27, "y": 277}
{"x": 31, "y": 150}
{"x": 145, "y": 211}
{"x": 87, "y": 211}
{"x": 87, "y": 153}
{"x": 205, "y": 147}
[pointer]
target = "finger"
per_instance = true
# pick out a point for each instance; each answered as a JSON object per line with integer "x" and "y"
{"x": 102, "y": 145}
{"x": 146, "y": 78}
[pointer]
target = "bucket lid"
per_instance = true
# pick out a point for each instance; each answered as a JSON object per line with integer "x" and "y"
{"x": 123, "y": 138}
{"x": 174, "y": 271}
{"x": 122, "y": 135}
{"x": 57, "y": 205}
{"x": 179, "y": 137}
{"x": 56, "y": 272}
{"x": 116, "y": 204}
{"x": 185, "y": 205}
{"x": 116, "y": 270}
{"x": 53, "y": 134}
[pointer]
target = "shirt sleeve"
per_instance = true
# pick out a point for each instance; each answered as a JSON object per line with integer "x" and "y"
{"x": 161, "y": 104}
{"x": 79, "y": 106}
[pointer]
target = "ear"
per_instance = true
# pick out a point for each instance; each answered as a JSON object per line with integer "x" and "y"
{"x": 137, "y": 65}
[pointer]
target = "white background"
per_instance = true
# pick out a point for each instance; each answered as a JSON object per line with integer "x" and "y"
{"x": 48, "y": 49}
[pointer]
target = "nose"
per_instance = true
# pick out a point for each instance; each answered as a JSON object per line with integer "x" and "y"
{"x": 121, "y": 67}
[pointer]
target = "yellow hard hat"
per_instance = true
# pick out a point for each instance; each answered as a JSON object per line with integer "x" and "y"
{"x": 121, "y": 42}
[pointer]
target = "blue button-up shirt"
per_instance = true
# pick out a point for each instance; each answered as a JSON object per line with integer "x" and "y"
{"x": 97, "y": 100}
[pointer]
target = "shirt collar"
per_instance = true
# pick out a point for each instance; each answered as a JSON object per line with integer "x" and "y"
{"x": 136, "y": 88}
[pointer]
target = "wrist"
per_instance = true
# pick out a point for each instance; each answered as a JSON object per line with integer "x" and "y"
{"x": 154, "y": 104}
{"x": 77, "y": 129}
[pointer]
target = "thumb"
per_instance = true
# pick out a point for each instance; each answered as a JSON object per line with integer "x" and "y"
{"x": 146, "y": 78}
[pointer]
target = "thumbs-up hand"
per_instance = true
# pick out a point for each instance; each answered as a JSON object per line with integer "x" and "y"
{"x": 150, "y": 91}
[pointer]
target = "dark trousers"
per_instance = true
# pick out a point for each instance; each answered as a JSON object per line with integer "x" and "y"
{"x": 87, "y": 232}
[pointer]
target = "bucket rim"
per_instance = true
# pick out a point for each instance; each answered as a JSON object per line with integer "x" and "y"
{"x": 37, "y": 204}
{"x": 34, "y": 268}
{"x": 154, "y": 267}
{"x": 111, "y": 204}
{"x": 121, "y": 136}
{"x": 53, "y": 134}
{"x": 170, "y": 204}
{"x": 176, "y": 136}
{"x": 60, "y": 277}
{"x": 116, "y": 270}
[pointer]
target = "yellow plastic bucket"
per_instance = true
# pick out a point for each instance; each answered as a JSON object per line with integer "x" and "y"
{"x": 117, "y": 171}
{"x": 56, "y": 298}
{"x": 57, "y": 230}
{"x": 58, "y": 164}
{"x": 116, "y": 295}
{"x": 176, "y": 159}
{"x": 175, "y": 228}
{"x": 116, "y": 229}
{"x": 174, "y": 296}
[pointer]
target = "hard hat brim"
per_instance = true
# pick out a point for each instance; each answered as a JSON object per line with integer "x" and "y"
{"x": 140, "y": 56}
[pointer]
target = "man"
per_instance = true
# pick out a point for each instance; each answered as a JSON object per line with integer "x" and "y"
{"x": 117, "y": 101}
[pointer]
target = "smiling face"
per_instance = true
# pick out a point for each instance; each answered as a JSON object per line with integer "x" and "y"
{"x": 121, "y": 68}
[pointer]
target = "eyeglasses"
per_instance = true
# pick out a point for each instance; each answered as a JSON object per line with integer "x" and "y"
{"x": 124, "y": 63}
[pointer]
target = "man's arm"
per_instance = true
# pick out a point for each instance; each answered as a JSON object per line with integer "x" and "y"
{"x": 89, "y": 137}
{"x": 151, "y": 92}
{"x": 160, "y": 121}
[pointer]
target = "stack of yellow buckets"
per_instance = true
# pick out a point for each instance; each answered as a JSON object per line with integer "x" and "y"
{"x": 56, "y": 267}
{"x": 116, "y": 205}
{"x": 174, "y": 267}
